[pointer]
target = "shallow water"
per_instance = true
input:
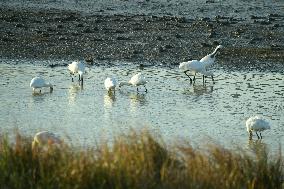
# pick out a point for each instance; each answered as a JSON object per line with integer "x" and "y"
{"x": 172, "y": 107}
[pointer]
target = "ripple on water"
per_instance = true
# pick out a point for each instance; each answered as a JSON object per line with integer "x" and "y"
{"x": 172, "y": 107}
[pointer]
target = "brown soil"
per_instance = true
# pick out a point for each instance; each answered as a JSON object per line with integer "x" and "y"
{"x": 65, "y": 34}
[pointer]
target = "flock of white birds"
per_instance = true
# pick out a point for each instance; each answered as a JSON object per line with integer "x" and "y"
{"x": 44, "y": 138}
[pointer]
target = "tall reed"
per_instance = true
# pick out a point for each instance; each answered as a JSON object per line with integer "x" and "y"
{"x": 136, "y": 160}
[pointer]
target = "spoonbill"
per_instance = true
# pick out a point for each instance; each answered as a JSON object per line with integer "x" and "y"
{"x": 136, "y": 81}
{"x": 38, "y": 83}
{"x": 199, "y": 66}
{"x": 209, "y": 59}
{"x": 256, "y": 124}
{"x": 44, "y": 139}
{"x": 110, "y": 84}
{"x": 77, "y": 67}
{"x": 194, "y": 66}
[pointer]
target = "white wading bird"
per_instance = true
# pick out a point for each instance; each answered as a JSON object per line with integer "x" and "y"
{"x": 77, "y": 67}
{"x": 45, "y": 139}
{"x": 136, "y": 81}
{"x": 195, "y": 66}
{"x": 110, "y": 84}
{"x": 38, "y": 83}
{"x": 256, "y": 124}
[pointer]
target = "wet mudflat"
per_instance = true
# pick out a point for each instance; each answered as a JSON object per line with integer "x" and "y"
{"x": 166, "y": 32}
{"x": 172, "y": 107}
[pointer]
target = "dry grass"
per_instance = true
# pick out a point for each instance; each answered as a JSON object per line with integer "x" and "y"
{"x": 137, "y": 160}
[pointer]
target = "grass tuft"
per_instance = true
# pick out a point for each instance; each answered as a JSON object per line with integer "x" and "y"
{"x": 136, "y": 160}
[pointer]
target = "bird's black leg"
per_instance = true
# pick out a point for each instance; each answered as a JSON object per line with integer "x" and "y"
{"x": 194, "y": 77}
{"x": 203, "y": 78}
{"x": 71, "y": 77}
{"x": 212, "y": 79}
{"x": 137, "y": 89}
{"x": 260, "y": 135}
{"x": 79, "y": 78}
{"x": 185, "y": 72}
{"x": 257, "y": 135}
{"x": 145, "y": 89}
{"x": 250, "y": 135}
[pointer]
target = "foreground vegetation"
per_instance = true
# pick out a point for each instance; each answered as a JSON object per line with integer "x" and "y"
{"x": 137, "y": 160}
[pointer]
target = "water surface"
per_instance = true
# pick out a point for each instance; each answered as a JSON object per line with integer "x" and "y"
{"x": 172, "y": 107}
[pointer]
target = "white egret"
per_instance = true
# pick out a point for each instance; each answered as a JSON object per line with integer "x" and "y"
{"x": 45, "y": 139}
{"x": 137, "y": 80}
{"x": 256, "y": 124}
{"x": 77, "y": 67}
{"x": 38, "y": 83}
{"x": 199, "y": 66}
{"x": 110, "y": 84}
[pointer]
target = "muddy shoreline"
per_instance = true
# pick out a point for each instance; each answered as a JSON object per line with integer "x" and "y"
{"x": 29, "y": 33}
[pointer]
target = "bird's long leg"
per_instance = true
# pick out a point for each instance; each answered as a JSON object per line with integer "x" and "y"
{"x": 145, "y": 89}
{"x": 257, "y": 135}
{"x": 82, "y": 80}
{"x": 194, "y": 77}
{"x": 71, "y": 77}
{"x": 212, "y": 78}
{"x": 79, "y": 78}
{"x": 250, "y": 135}
{"x": 203, "y": 79}
{"x": 185, "y": 72}
{"x": 260, "y": 135}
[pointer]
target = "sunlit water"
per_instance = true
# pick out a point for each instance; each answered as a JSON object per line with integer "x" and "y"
{"x": 173, "y": 107}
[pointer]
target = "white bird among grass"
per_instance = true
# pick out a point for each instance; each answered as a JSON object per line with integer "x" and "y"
{"x": 45, "y": 139}
{"x": 38, "y": 83}
{"x": 199, "y": 66}
{"x": 77, "y": 67}
{"x": 136, "y": 81}
{"x": 256, "y": 124}
{"x": 110, "y": 84}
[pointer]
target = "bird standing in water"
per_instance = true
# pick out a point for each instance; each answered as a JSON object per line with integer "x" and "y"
{"x": 38, "y": 83}
{"x": 256, "y": 124}
{"x": 137, "y": 80}
{"x": 200, "y": 66}
{"x": 77, "y": 67}
{"x": 110, "y": 84}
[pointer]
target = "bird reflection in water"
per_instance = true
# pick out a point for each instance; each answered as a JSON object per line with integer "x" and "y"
{"x": 137, "y": 100}
{"x": 73, "y": 91}
{"x": 257, "y": 146}
{"x": 109, "y": 99}
{"x": 199, "y": 90}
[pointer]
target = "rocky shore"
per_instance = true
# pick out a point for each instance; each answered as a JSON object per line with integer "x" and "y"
{"x": 29, "y": 33}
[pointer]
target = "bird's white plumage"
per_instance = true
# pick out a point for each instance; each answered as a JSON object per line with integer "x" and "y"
{"x": 137, "y": 80}
{"x": 209, "y": 59}
{"x": 110, "y": 83}
{"x": 76, "y": 67}
{"x": 38, "y": 82}
{"x": 194, "y": 66}
{"x": 257, "y": 124}
{"x": 200, "y": 66}
{"x": 45, "y": 138}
